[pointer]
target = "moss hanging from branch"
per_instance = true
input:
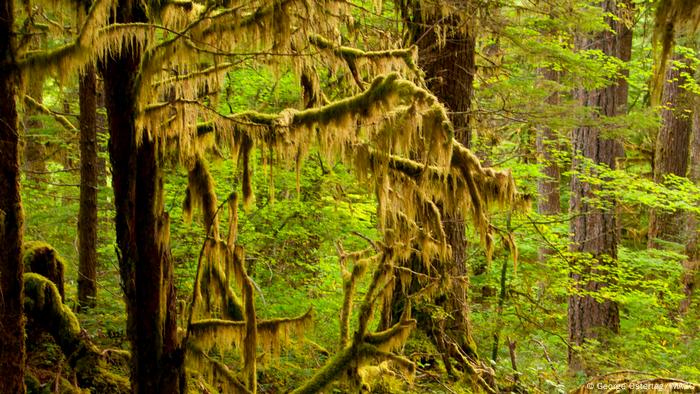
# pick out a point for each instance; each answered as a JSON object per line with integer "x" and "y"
{"x": 272, "y": 333}
{"x": 200, "y": 194}
{"x": 671, "y": 17}
{"x": 377, "y": 62}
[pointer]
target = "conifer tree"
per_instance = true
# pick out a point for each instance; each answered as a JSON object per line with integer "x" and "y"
{"x": 12, "y": 351}
{"x": 594, "y": 227}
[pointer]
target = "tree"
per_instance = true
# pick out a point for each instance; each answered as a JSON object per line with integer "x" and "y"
{"x": 141, "y": 226}
{"x": 594, "y": 227}
{"x": 12, "y": 351}
{"x": 672, "y": 148}
{"x": 449, "y": 63}
{"x": 87, "y": 216}
{"x": 692, "y": 246}
{"x": 546, "y": 142}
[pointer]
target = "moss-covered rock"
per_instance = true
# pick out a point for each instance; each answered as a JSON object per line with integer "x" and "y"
{"x": 46, "y": 311}
{"x": 41, "y": 258}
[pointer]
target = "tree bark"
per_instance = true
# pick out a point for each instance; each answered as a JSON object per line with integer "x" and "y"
{"x": 142, "y": 229}
{"x": 449, "y": 67}
{"x": 547, "y": 143}
{"x": 87, "y": 215}
{"x": 12, "y": 350}
{"x": 672, "y": 148}
{"x": 692, "y": 247}
{"x": 594, "y": 230}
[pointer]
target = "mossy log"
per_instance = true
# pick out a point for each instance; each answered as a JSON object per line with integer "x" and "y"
{"x": 45, "y": 310}
{"x": 43, "y": 259}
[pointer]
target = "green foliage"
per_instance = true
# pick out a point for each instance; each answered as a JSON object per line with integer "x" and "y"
{"x": 290, "y": 230}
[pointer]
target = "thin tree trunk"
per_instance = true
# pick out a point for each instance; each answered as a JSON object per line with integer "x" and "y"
{"x": 142, "y": 230}
{"x": 672, "y": 148}
{"x": 594, "y": 230}
{"x": 87, "y": 215}
{"x": 12, "y": 347}
{"x": 548, "y": 201}
{"x": 547, "y": 143}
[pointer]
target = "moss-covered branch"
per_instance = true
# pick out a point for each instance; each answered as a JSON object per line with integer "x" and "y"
{"x": 210, "y": 332}
{"x": 77, "y": 52}
{"x": 350, "y": 54}
{"x": 62, "y": 120}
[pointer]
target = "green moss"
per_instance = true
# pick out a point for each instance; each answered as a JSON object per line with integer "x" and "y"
{"x": 330, "y": 372}
{"x": 45, "y": 310}
{"x": 41, "y": 258}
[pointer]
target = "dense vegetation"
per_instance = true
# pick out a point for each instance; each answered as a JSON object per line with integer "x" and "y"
{"x": 340, "y": 196}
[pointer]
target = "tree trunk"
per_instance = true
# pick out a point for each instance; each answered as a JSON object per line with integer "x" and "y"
{"x": 87, "y": 216}
{"x": 547, "y": 143}
{"x": 671, "y": 154}
{"x": 142, "y": 229}
{"x": 12, "y": 349}
{"x": 449, "y": 68}
{"x": 594, "y": 230}
{"x": 548, "y": 201}
{"x": 692, "y": 247}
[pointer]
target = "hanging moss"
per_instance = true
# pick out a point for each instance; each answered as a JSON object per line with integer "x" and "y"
{"x": 671, "y": 17}
{"x": 224, "y": 334}
{"x": 45, "y": 310}
{"x": 43, "y": 259}
{"x": 200, "y": 194}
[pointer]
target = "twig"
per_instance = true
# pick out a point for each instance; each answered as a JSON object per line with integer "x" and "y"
{"x": 511, "y": 350}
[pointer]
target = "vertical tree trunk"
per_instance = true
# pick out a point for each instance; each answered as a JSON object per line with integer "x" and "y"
{"x": 546, "y": 141}
{"x": 692, "y": 247}
{"x": 449, "y": 68}
{"x": 87, "y": 216}
{"x": 142, "y": 229}
{"x": 594, "y": 230}
{"x": 12, "y": 349}
{"x": 548, "y": 188}
{"x": 671, "y": 153}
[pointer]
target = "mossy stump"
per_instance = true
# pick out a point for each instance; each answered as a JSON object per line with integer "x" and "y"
{"x": 46, "y": 311}
{"x": 43, "y": 259}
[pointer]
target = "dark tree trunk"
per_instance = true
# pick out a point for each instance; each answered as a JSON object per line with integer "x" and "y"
{"x": 594, "y": 230}
{"x": 672, "y": 146}
{"x": 142, "y": 230}
{"x": 449, "y": 68}
{"x": 12, "y": 349}
{"x": 450, "y": 74}
{"x": 87, "y": 216}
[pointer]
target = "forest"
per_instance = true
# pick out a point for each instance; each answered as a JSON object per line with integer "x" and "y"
{"x": 349, "y": 196}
